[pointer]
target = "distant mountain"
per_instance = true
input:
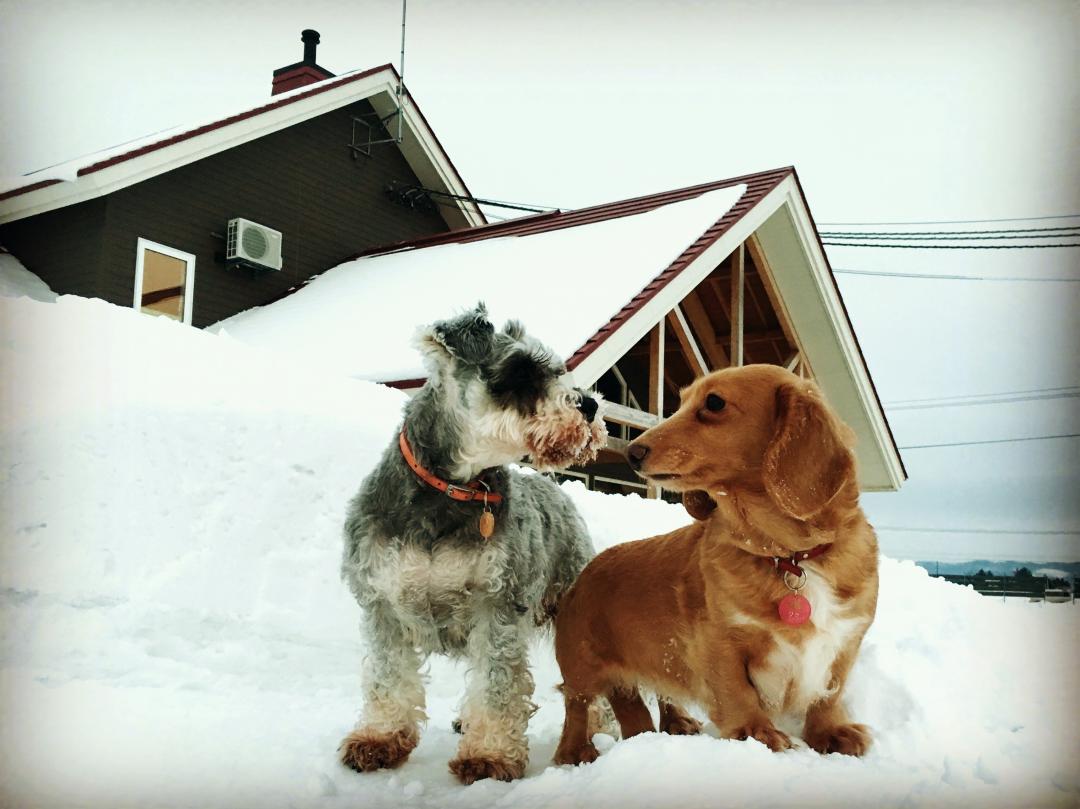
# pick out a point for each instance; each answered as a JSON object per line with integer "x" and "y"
{"x": 1052, "y": 569}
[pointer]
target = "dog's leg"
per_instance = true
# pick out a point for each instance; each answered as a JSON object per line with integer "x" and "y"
{"x": 630, "y": 710}
{"x": 828, "y": 728}
{"x": 498, "y": 702}
{"x": 675, "y": 721}
{"x": 575, "y": 746}
{"x": 389, "y": 728}
{"x": 736, "y": 709}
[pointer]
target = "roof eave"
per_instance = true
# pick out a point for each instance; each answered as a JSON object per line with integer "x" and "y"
{"x": 422, "y": 150}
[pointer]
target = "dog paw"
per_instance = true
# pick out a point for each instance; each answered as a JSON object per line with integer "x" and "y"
{"x": 768, "y": 735}
{"x": 366, "y": 751}
{"x": 679, "y": 724}
{"x": 585, "y": 754}
{"x": 470, "y": 770}
{"x": 849, "y": 740}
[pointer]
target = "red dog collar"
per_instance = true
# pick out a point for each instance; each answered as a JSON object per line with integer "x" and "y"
{"x": 790, "y": 564}
{"x": 463, "y": 494}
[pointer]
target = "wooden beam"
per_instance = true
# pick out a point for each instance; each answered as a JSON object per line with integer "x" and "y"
{"x": 617, "y": 445}
{"x": 620, "y": 414}
{"x": 656, "y": 384}
{"x": 765, "y": 273}
{"x": 703, "y": 325}
{"x": 792, "y": 361}
{"x": 767, "y": 336}
{"x": 738, "y": 288}
{"x": 690, "y": 349}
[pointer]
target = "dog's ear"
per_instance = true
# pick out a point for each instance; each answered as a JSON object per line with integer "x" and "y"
{"x": 466, "y": 337}
{"x": 809, "y": 459}
{"x": 514, "y": 330}
{"x": 698, "y": 504}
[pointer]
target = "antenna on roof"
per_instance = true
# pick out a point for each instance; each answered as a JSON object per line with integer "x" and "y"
{"x": 363, "y": 130}
{"x": 401, "y": 75}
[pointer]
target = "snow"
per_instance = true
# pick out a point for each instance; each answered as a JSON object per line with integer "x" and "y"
{"x": 68, "y": 170}
{"x": 174, "y": 632}
{"x": 559, "y": 283}
{"x": 17, "y": 281}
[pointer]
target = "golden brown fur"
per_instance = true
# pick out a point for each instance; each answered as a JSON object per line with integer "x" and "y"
{"x": 693, "y": 614}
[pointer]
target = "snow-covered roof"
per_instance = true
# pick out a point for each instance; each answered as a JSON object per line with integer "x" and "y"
{"x": 111, "y": 169}
{"x": 564, "y": 284}
{"x": 590, "y": 283}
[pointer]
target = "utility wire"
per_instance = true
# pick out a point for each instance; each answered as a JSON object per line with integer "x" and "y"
{"x": 935, "y": 233}
{"x": 992, "y": 441}
{"x": 1038, "y": 532}
{"x": 972, "y": 403}
{"x": 967, "y": 238}
{"x": 968, "y": 396}
{"x": 951, "y": 246}
{"x": 943, "y": 277}
{"x": 492, "y": 202}
{"x": 952, "y": 221}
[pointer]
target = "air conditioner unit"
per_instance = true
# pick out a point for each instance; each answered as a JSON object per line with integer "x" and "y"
{"x": 253, "y": 244}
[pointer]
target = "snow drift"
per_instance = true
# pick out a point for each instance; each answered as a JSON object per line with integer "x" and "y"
{"x": 175, "y": 633}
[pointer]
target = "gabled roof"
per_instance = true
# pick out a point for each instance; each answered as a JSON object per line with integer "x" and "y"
{"x": 109, "y": 170}
{"x": 590, "y": 283}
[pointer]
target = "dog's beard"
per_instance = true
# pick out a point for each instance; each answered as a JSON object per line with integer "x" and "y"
{"x": 564, "y": 439}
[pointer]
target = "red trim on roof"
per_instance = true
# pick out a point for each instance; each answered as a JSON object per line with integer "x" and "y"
{"x": 224, "y": 122}
{"x": 26, "y": 189}
{"x": 757, "y": 186}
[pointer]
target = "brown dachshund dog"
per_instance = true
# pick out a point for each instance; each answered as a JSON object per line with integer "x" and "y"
{"x": 756, "y": 610}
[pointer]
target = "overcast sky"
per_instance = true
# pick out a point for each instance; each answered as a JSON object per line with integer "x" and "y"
{"x": 889, "y": 112}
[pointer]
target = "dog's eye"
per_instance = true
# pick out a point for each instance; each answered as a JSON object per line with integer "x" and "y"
{"x": 714, "y": 403}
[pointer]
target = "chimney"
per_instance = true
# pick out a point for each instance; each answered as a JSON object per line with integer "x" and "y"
{"x": 302, "y": 73}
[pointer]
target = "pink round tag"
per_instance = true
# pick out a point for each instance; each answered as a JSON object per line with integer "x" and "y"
{"x": 794, "y": 609}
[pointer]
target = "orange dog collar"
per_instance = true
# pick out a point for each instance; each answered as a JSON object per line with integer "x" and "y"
{"x": 463, "y": 494}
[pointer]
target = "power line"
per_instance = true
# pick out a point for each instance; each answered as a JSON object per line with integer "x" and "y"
{"x": 992, "y": 441}
{"x": 961, "y": 396}
{"x": 952, "y": 221}
{"x": 1033, "y": 532}
{"x": 491, "y": 202}
{"x": 928, "y": 233}
{"x": 951, "y": 246}
{"x": 905, "y": 237}
{"x": 1001, "y": 400}
{"x": 944, "y": 277}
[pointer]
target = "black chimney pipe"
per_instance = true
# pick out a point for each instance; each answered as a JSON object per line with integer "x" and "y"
{"x": 310, "y": 38}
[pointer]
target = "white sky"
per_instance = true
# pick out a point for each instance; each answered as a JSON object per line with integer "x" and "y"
{"x": 908, "y": 111}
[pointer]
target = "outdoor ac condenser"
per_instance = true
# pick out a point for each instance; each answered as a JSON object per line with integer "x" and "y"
{"x": 253, "y": 244}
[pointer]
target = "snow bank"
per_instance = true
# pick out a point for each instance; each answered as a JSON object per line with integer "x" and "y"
{"x": 559, "y": 283}
{"x": 17, "y": 281}
{"x": 175, "y": 633}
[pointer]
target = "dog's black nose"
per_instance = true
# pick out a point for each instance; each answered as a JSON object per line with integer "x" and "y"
{"x": 635, "y": 454}
{"x": 588, "y": 406}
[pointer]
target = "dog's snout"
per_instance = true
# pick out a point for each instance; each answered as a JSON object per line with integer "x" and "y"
{"x": 588, "y": 407}
{"x": 636, "y": 453}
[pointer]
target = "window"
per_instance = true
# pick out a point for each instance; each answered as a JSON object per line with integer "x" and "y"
{"x": 164, "y": 279}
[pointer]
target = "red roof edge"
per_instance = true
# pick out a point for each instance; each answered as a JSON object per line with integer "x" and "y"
{"x": 26, "y": 189}
{"x": 202, "y": 130}
{"x": 757, "y": 187}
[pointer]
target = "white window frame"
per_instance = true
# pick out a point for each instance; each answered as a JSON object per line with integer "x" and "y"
{"x": 189, "y": 277}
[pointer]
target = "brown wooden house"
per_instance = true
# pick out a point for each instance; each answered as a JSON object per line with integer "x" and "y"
{"x": 146, "y": 224}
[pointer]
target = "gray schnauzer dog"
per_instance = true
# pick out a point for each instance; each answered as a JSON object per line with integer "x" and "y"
{"x": 448, "y": 550}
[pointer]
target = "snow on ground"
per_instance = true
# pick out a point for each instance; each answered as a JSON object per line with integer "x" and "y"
{"x": 555, "y": 282}
{"x": 174, "y": 632}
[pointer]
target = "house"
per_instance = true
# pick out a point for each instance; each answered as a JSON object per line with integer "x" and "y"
{"x": 146, "y": 223}
{"x": 639, "y": 297}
